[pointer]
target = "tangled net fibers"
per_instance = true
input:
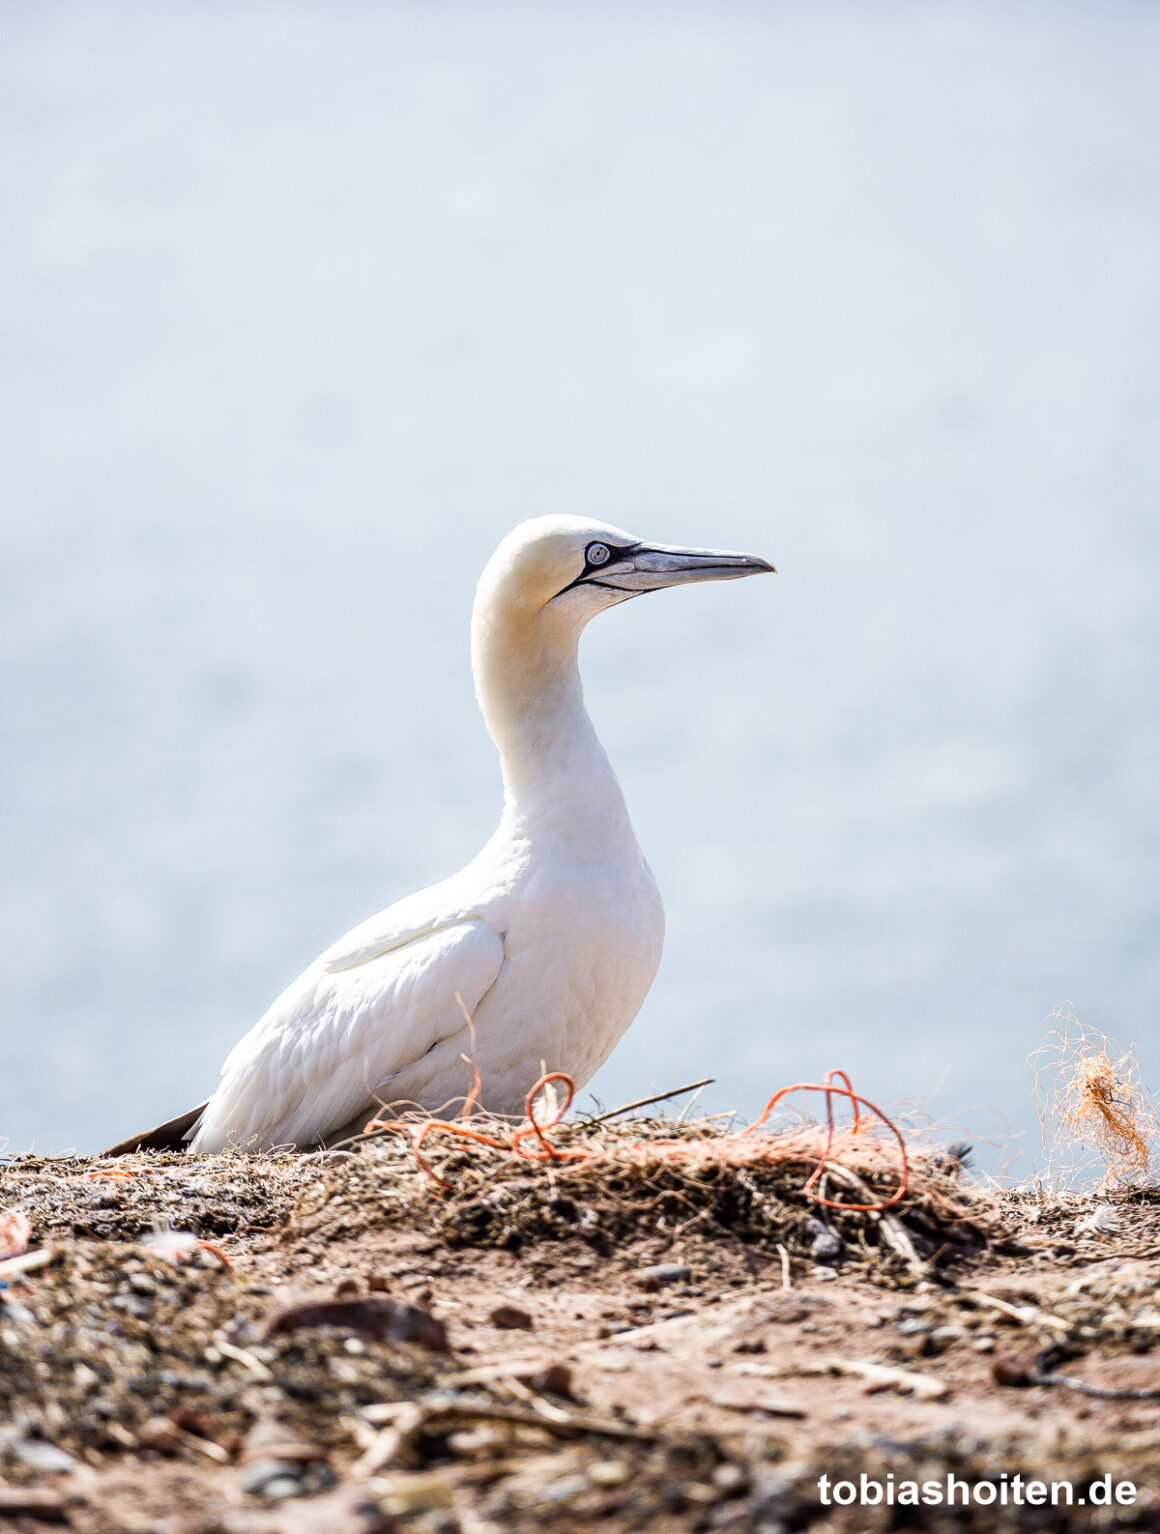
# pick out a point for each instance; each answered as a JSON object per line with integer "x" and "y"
{"x": 870, "y": 1146}
{"x": 1092, "y": 1105}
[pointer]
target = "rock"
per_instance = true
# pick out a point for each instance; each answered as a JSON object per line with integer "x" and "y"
{"x": 555, "y": 1380}
{"x": 608, "y": 1472}
{"x": 43, "y": 1457}
{"x": 750, "y": 1345}
{"x": 276, "y": 1465}
{"x": 940, "y": 1339}
{"x": 378, "y": 1283}
{"x": 787, "y": 1308}
{"x": 160, "y": 1433}
{"x": 1007, "y": 1370}
{"x": 825, "y": 1247}
{"x": 371, "y": 1316}
{"x": 730, "y": 1479}
{"x": 510, "y": 1318}
{"x": 825, "y": 1274}
{"x": 917, "y": 1305}
{"x": 661, "y": 1274}
{"x": 273, "y": 1479}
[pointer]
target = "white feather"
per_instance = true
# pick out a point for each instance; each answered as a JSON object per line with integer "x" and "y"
{"x": 550, "y": 938}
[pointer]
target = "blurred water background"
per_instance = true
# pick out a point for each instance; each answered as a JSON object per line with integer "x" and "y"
{"x": 302, "y": 306}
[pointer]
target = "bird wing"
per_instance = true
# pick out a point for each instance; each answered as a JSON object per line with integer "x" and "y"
{"x": 401, "y": 924}
{"x": 344, "y": 1028}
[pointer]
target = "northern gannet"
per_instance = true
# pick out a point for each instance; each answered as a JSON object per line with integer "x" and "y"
{"x": 548, "y": 941}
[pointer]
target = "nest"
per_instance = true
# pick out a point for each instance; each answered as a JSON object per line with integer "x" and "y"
{"x": 782, "y": 1187}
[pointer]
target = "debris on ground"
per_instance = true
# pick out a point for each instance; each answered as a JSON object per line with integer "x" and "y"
{"x": 648, "y": 1325}
{"x": 1093, "y": 1107}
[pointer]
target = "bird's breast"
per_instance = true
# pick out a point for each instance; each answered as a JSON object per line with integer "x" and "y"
{"x": 582, "y": 942}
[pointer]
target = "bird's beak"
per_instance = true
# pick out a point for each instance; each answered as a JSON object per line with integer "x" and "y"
{"x": 650, "y": 566}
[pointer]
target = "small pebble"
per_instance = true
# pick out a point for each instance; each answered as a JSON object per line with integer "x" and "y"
{"x": 608, "y": 1472}
{"x": 1010, "y": 1371}
{"x": 510, "y": 1318}
{"x": 273, "y": 1479}
{"x": 661, "y": 1274}
{"x": 940, "y": 1339}
{"x": 161, "y": 1434}
{"x": 730, "y": 1479}
{"x": 555, "y": 1380}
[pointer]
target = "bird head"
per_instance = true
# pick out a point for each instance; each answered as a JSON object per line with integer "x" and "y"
{"x": 575, "y": 568}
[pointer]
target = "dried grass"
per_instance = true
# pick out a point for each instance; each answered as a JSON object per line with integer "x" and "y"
{"x": 485, "y": 1183}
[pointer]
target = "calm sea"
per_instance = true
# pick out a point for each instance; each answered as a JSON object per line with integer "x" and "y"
{"x": 302, "y": 306}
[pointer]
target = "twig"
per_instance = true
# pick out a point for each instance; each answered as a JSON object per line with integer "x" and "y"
{"x": 484, "y": 1374}
{"x": 244, "y": 1357}
{"x": 658, "y": 1097}
{"x": 1028, "y": 1315}
{"x": 894, "y": 1233}
{"x": 26, "y": 1262}
{"x": 205, "y": 1446}
{"x": 878, "y": 1376}
{"x": 883, "y": 1377}
{"x": 786, "y": 1281}
{"x": 1041, "y": 1373}
{"x": 408, "y": 1423}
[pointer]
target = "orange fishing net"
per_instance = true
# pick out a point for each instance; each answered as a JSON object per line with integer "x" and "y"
{"x": 870, "y": 1145}
{"x": 1092, "y": 1105}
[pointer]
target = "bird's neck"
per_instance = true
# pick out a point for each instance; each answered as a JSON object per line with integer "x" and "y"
{"x": 527, "y": 679}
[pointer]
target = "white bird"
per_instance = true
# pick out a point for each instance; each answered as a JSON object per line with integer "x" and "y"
{"x": 548, "y": 940}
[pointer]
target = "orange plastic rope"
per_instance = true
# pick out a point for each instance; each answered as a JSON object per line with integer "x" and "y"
{"x": 831, "y": 1091}
{"x": 541, "y": 1131}
{"x": 514, "y": 1147}
{"x": 678, "y": 1150}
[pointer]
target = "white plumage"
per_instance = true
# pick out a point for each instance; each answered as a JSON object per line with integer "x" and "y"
{"x": 549, "y": 939}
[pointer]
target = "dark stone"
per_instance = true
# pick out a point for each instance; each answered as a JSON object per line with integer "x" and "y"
{"x": 662, "y": 1274}
{"x": 510, "y": 1318}
{"x": 372, "y": 1316}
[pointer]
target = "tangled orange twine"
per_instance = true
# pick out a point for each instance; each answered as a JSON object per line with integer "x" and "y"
{"x": 726, "y": 1149}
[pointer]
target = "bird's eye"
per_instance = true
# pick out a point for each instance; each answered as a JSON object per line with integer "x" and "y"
{"x": 598, "y": 554}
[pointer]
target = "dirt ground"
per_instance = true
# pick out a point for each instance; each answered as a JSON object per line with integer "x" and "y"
{"x": 350, "y": 1348}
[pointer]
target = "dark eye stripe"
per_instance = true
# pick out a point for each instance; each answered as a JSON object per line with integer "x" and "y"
{"x": 615, "y": 551}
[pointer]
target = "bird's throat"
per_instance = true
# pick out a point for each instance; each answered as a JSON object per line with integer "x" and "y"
{"x": 527, "y": 680}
